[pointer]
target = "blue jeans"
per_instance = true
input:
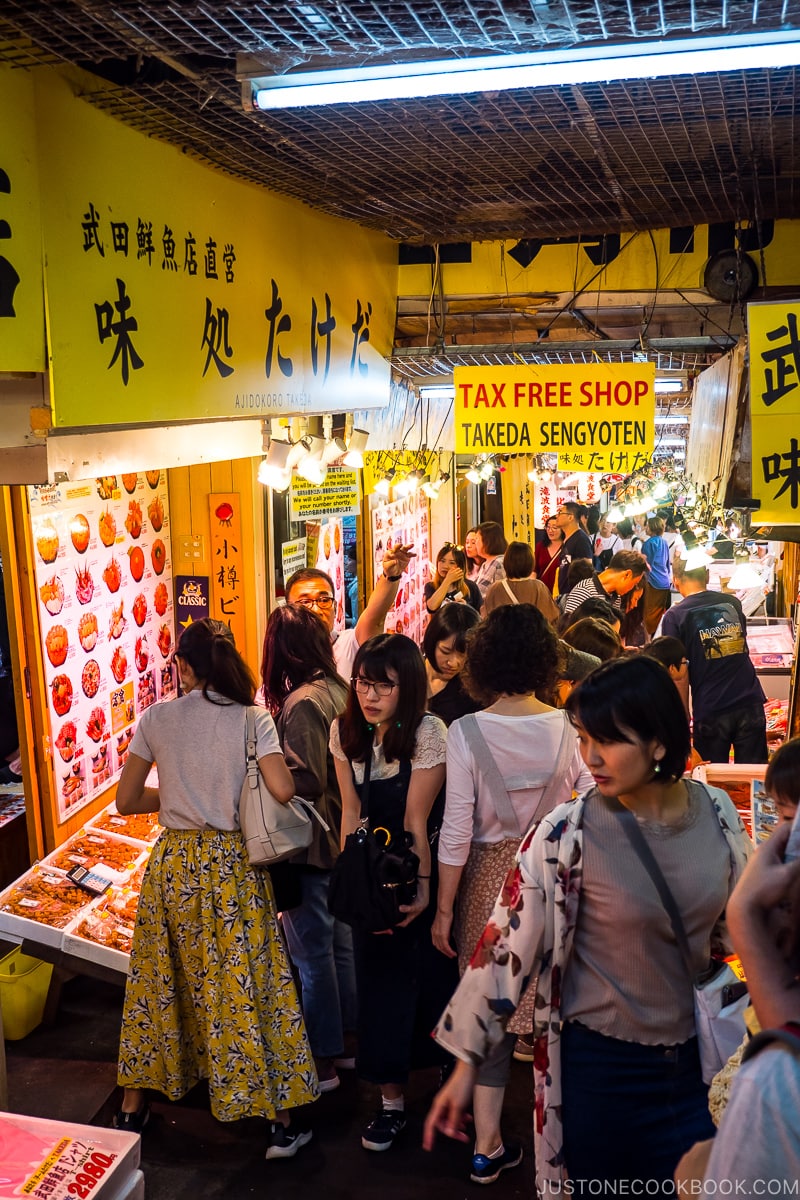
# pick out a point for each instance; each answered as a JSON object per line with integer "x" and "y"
{"x": 321, "y": 948}
{"x": 629, "y": 1111}
{"x": 743, "y": 728}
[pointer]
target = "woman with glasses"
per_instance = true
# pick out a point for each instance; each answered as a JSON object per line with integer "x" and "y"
{"x": 390, "y": 758}
{"x": 304, "y": 693}
{"x": 450, "y": 582}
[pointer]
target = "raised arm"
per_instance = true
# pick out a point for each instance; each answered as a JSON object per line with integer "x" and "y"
{"x": 453, "y": 576}
{"x": 373, "y": 618}
{"x": 751, "y": 917}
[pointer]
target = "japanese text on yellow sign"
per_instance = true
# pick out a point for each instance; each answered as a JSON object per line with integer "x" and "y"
{"x": 338, "y": 496}
{"x": 209, "y": 299}
{"x": 21, "y": 282}
{"x": 603, "y": 412}
{"x": 227, "y": 558}
{"x": 774, "y": 409}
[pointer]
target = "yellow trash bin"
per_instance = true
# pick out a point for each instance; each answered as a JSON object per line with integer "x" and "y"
{"x": 24, "y": 982}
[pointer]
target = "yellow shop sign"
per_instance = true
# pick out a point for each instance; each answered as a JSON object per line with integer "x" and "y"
{"x": 604, "y": 412}
{"x": 774, "y": 409}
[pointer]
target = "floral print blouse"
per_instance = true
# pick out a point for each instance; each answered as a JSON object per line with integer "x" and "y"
{"x": 530, "y": 930}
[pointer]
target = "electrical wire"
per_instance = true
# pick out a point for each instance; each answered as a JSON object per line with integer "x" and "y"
{"x": 643, "y": 333}
{"x": 579, "y": 292}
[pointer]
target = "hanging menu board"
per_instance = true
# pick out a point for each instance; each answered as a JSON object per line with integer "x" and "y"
{"x": 405, "y": 523}
{"x": 104, "y": 581}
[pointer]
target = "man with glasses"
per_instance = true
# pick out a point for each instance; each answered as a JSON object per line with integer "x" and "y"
{"x": 577, "y": 543}
{"x": 313, "y": 589}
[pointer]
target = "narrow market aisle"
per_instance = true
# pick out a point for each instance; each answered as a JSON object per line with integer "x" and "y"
{"x": 68, "y": 1071}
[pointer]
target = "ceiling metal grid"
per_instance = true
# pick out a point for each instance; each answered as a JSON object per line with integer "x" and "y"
{"x": 290, "y": 33}
{"x": 550, "y": 162}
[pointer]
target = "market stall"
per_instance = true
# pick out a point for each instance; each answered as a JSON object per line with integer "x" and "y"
{"x": 87, "y": 925}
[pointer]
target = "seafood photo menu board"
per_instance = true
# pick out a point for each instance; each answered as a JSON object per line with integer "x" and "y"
{"x": 405, "y": 522}
{"x": 104, "y": 582}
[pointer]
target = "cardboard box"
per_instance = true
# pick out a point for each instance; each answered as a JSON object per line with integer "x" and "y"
{"x": 41, "y": 1158}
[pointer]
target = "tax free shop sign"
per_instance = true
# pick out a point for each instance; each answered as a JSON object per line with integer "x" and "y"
{"x": 605, "y": 409}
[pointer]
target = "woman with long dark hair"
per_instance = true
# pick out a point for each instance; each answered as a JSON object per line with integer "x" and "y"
{"x": 209, "y": 993}
{"x": 390, "y": 756}
{"x": 304, "y": 693}
{"x": 618, "y": 1086}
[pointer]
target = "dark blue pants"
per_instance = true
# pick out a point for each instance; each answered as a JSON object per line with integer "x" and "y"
{"x": 404, "y": 984}
{"x": 629, "y": 1111}
{"x": 743, "y": 728}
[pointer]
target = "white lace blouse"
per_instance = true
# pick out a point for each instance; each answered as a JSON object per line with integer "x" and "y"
{"x": 428, "y": 752}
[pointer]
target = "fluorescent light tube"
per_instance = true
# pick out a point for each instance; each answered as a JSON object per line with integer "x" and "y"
{"x": 493, "y": 73}
{"x": 436, "y": 391}
{"x": 669, "y": 385}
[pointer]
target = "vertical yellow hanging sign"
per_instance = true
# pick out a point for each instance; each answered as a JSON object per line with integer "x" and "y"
{"x": 227, "y": 563}
{"x": 774, "y": 332}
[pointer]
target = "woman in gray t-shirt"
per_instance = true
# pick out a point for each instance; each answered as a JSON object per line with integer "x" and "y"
{"x": 209, "y": 993}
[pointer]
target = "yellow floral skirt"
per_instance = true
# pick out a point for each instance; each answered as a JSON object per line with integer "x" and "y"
{"x": 210, "y": 994}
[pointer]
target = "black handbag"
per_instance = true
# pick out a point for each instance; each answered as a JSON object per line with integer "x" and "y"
{"x": 375, "y": 873}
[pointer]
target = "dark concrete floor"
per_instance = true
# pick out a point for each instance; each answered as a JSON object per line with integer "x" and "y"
{"x": 67, "y": 1071}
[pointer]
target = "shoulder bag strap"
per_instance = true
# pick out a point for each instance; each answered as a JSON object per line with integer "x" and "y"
{"x": 251, "y": 758}
{"x": 365, "y": 784}
{"x": 564, "y": 756}
{"x": 787, "y": 1035}
{"x": 254, "y": 770}
{"x": 492, "y": 777}
{"x": 639, "y": 843}
{"x": 507, "y": 586}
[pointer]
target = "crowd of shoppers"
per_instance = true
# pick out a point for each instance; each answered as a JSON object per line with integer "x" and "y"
{"x": 508, "y": 752}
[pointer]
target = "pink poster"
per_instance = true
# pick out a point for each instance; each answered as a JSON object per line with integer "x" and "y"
{"x": 405, "y": 522}
{"x": 104, "y": 580}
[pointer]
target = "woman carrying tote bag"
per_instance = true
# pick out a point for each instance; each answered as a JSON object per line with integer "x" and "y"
{"x": 304, "y": 693}
{"x": 209, "y": 994}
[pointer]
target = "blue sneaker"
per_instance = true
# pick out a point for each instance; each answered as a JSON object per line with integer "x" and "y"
{"x": 487, "y": 1170}
{"x": 381, "y": 1131}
